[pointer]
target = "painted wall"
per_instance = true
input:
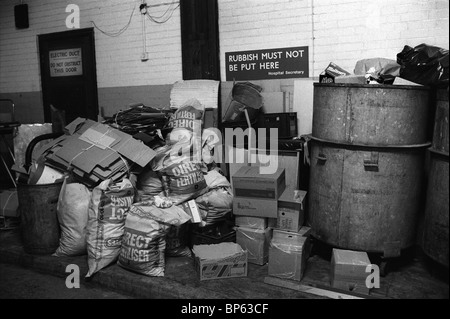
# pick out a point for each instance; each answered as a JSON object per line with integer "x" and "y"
{"x": 122, "y": 78}
{"x": 342, "y": 31}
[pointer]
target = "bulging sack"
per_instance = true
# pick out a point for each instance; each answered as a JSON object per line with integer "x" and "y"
{"x": 182, "y": 178}
{"x": 218, "y": 200}
{"x": 144, "y": 243}
{"x": 72, "y": 211}
{"x": 186, "y": 123}
{"x": 108, "y": 209}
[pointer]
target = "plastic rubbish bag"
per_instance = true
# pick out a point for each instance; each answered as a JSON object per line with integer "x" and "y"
{"x": 424, "y": 64}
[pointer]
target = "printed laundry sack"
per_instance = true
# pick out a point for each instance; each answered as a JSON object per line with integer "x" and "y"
{"x": 184, "y": 181}
{"x": 108, "y": 208}
{"x": 144, "y": 244}
{"x": 186, "y": 123}
{"x": 182, "y": 178}
{"x": 72, "y": 212}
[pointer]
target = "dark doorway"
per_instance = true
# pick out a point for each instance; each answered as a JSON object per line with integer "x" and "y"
{"x": 200, "y": 39}
{"x": 68, "y": 75}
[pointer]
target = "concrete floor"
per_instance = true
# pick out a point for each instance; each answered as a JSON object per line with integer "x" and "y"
{"x": 409, "y": 278}
{"x": 23, "y": 283}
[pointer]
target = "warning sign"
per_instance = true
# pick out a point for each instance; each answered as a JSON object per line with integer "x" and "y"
{"x": 65, "y": 62}
{"x": 279, "y": 63}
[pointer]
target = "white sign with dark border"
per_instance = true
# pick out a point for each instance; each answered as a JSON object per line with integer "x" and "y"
{"x": 67, "y": 62}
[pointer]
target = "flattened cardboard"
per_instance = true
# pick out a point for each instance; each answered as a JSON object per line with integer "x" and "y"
{"x": 92, "y": 161}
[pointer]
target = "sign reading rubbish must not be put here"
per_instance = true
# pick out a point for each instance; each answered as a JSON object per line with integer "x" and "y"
{"x": 266, "y": 64}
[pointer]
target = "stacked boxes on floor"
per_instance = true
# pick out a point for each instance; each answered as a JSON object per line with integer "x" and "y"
{"x": 255, "y": 207}
{"x": 290, "y": 246}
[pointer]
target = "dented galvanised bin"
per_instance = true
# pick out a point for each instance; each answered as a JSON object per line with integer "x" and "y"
{"x": 367, "y": 166}
{"x": 370, "y": 114}
{"x": 366, "y": 199}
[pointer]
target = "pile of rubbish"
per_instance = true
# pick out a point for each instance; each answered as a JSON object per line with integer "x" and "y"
{"x": 422, "y": 65}
{"x": 133, "y": 186}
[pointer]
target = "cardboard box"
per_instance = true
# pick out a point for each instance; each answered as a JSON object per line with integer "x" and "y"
{"x": 251, "y": 222}
{"x": 248, "y": 182}
{"x": 217, "y": 261}
{"x": 9, "y": 203}
{"x": 331, "y": 72}
{"x": 288, "y": 253}
{"x": 348, "y": 270}
{"x": 291, "y": 210}
{"x": 288, "y": 236}
{"x": 255, "y": 207}
{"x": 255, "y": 242}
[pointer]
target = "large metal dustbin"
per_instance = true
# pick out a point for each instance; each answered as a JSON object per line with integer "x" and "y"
{"x": 367, "y": 165}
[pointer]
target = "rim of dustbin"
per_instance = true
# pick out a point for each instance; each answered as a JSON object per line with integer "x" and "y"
{"x": 374, "y": 86}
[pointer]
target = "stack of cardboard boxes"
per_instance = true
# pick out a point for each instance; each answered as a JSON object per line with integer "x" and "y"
{"x": 269, "y": 219}
{"x": 290, "y": 245}
{"x": 255, "y": 206}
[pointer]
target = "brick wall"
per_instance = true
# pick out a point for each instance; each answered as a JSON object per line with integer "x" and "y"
{"x": 342, "y": 31}
{"x": 118, "y": 58}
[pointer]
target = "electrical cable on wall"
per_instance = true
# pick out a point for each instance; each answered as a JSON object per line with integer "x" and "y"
{"x": 143, "y": 8}
{"x": 115, "y": 34}
{"x": 171, "y": 8}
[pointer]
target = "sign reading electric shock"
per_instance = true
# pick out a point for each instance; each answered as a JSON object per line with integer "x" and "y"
{"x": 65, "y": 62}
{"x": 267, "y": 64}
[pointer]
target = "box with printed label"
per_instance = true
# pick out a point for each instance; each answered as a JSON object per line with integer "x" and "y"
{"x": 217, "y": 261}
{"x": 291, "y": 210}
{"x": 248, "y": 181}
{"x": 331, "y": 72}
{"x": 256, "y": 242}
{"x": 348, "y": 270}
{"x": 288, "y": 253}
{"x": 255, "y": 207}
